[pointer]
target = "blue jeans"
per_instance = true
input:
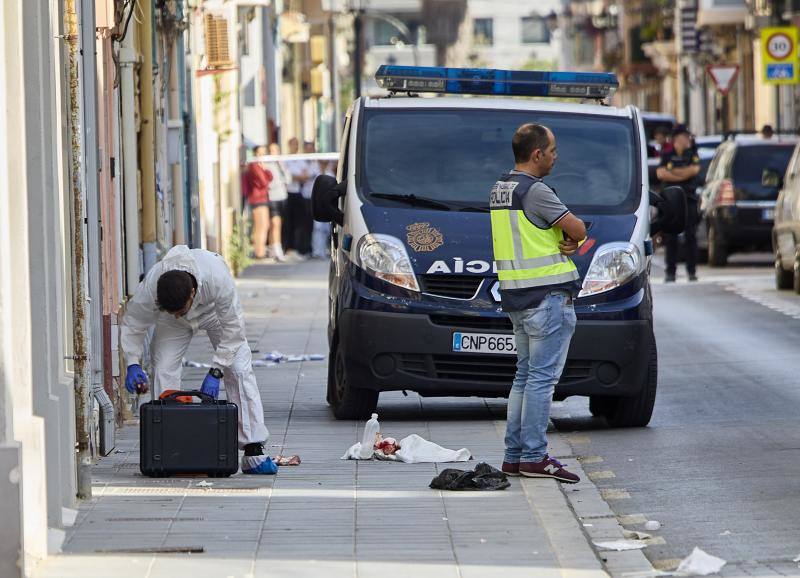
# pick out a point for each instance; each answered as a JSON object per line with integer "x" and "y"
{"x": 542, "y": 336}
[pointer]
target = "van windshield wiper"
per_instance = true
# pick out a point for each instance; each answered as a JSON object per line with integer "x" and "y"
{"x": 474, "y": 209}
{"x": 414, "y": 200}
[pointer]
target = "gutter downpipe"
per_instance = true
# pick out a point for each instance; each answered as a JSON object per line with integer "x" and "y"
{"x": 127, "y": 62}
{"x": 94, "y": 253}
{"x": 77, "y": 177}
{"x": 147, "y": 136}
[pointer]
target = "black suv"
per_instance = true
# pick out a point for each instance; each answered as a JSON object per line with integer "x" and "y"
{"x": 738, "y": 199}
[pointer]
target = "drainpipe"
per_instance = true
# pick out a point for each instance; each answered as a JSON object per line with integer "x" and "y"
{"x": 93, "y": 249}
{"x": 147, "y": 136}
{"x": 79, "y": 304}
{"x": 127, "y": 62}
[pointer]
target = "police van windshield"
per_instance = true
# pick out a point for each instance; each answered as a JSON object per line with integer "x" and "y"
{"x": 455, "y": 156}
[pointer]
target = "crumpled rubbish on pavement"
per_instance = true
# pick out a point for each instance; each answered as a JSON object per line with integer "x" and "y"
{"x": 413, "y": 449}
{"x": 278, "y": 357}
{"x": 484, "y": 478}
{"x": 699, "y": 563}
{"x": 621, "y": 545}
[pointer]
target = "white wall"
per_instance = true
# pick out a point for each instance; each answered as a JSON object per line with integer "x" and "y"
{"x": 508, "y": 51}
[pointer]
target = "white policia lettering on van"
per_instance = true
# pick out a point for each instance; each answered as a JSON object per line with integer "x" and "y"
{"x": 461, "y": 266}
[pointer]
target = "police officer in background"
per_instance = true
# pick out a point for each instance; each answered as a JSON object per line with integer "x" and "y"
{"x": 679, "y": 167}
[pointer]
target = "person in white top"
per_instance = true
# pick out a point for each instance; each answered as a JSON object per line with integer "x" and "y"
{"x": 192, "y": 290}
{"x": 278, "y": 195}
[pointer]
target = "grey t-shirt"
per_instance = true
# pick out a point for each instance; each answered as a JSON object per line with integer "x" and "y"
{"x": 544, "y": 209}
{"x": 541, "y": 205}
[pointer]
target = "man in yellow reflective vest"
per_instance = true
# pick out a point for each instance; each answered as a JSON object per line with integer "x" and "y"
{"x": 533, "y": 235}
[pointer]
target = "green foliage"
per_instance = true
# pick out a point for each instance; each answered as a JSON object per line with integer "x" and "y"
{"x": 238, "y": 247}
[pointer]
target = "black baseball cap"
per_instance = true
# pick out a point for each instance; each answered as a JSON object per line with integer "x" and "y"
{"x": 680, "y": 129}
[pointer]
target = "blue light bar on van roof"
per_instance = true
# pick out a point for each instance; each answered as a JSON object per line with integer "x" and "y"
{"x": 593, "y": 85}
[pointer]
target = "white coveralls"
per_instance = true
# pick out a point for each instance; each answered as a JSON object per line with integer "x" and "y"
{"x": 216, "y": 309}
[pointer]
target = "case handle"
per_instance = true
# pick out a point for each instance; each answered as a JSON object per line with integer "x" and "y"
{"x": 204, "y": 397}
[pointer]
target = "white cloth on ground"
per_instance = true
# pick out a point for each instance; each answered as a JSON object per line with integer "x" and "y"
{"x": 415, "y": 450}
{"x": 217, "y": 311}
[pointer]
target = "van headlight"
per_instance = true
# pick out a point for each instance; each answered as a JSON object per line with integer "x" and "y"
{"x": 386, "y": 258}
{"x": 613, "y": 265}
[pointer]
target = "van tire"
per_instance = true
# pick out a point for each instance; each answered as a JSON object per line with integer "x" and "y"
{"x": 717, "y": 250}
{"x": 796, "y": 274}
{"x": 637, "y": 411}
{"x": 601, "y": 406}
{"x": 345, "y": 401}
{"x": 783, "y": 279}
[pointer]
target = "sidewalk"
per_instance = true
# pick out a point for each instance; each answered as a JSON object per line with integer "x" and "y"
{"x": 327, "y": 518}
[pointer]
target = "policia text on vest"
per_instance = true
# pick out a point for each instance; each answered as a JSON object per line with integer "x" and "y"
{"x": 527, "y": 255}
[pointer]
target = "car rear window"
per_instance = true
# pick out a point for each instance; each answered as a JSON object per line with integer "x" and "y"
{"x": 751, "y": 162}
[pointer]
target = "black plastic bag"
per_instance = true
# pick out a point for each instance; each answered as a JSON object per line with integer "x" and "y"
{"x": 483, "y": 478}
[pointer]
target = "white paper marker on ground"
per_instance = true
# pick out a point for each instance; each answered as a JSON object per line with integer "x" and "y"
{"x": 699, "y": 563}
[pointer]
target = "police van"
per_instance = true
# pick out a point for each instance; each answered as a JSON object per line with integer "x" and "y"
{"x": 414, "y": 301}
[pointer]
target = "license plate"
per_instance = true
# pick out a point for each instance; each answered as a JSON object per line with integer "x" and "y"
{"x": 768, "y": 214}
{"x": 484, "y": 343}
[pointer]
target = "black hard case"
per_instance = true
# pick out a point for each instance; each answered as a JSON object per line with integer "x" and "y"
{"x": 189, "y": 438}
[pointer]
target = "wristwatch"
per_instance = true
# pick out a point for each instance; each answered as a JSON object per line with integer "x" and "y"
{"x": 215, "y": 372}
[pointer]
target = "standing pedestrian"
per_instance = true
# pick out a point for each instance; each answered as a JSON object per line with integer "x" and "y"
{"x": 298, "y": 173}
{"x": 277, "y": 203}
{"x": 305, "y": 228}
{"x": 187, "y": 291}
{"x": 679, "y": 167}
{"x": 533, "y": 235}
{"x": 258, "y": 184}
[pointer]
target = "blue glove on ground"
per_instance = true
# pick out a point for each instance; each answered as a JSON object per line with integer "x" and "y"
{"x": 136, "y": 379}
{"x": 210, "y": 386}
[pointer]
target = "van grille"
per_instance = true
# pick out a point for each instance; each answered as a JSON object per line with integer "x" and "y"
{"x": 459, "y": 321}
{"x": 453, "y": 286}
{"x": 481, "y": 368}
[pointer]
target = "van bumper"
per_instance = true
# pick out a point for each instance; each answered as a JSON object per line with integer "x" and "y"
{"x": 388, "y": 351}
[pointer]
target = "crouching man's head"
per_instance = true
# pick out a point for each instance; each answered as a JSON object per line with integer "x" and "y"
{"x": 175, "y": 292}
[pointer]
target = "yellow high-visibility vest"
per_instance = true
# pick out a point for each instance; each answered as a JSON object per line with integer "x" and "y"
{"x": 526, "y": 256}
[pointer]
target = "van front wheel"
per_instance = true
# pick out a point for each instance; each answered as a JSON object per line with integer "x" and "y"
{"x": 346, "y": 401}
{"x": 635, "y": 411}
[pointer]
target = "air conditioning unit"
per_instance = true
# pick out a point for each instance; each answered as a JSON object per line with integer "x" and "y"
{"x": 217, "y": 41}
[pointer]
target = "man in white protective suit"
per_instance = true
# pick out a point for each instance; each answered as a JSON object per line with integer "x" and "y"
{"x": 187, "y": 291}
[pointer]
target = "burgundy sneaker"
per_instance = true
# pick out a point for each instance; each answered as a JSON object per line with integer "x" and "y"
{"x": 547, "y": 468}
{"x": 510, "y": 469}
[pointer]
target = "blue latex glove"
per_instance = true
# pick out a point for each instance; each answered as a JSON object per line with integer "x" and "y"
{"x": 210, "y": 386}
{"x": 136, "y": 379}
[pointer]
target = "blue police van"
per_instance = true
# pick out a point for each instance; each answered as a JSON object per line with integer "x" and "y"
{"x": 414, "y": 302}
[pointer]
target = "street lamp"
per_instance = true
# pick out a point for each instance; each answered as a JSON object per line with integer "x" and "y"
{"x": 357, "y": 8}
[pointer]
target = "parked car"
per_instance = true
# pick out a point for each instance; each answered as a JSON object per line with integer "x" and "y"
{"x": 786, "y": 231}
{"x": 706, "y": 147}
{"x": 738, "y": 199}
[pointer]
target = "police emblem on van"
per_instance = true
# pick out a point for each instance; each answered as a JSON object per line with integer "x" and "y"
{"x": 423, "y": 238}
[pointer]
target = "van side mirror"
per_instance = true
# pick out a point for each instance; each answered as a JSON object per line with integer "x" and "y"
{"x": 670, "y": 211}
{"x": 771, "y": 178}
{"x": 325, "y": 200}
